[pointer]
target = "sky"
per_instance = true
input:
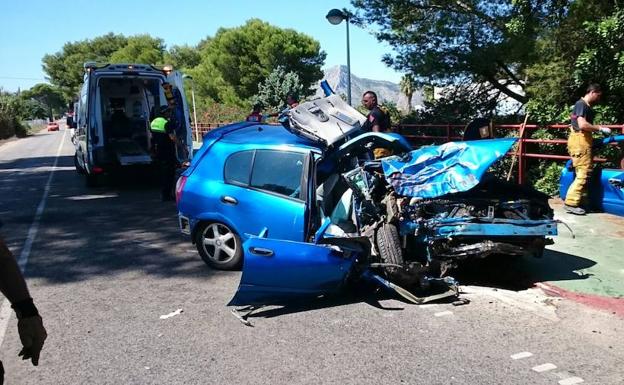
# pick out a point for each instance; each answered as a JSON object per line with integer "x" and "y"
{"x": 29, "y": 29}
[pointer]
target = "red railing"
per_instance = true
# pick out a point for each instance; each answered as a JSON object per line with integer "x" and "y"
{"x": 451, "y": 132}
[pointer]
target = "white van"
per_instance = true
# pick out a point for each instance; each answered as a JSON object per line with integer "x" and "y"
{"x": 116, "y": 105}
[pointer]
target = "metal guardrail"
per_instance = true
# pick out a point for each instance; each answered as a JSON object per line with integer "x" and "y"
{"x": 451, "y": 132}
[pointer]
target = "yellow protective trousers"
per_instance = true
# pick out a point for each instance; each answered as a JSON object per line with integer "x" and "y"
{"x": 580, "y": 149}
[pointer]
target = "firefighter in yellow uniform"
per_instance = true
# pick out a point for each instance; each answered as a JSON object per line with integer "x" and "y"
{"x": 580, "y": 147}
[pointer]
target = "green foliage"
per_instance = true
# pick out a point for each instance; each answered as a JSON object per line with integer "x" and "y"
{"x": 12, "y": 111}
{"x": 140, "y": 49}
{"x": 236, "y": 60}
{"x": 274, "y": 89}
{"x": 183, "y": 57}
{"x": 44, "y": 96}
{"x": 211, "y": 112}
{"x": 65, "y": 68}
{"x": 442, "y": 42}
{"x": 393, "y": 111}
{"x": 546, "y": 176}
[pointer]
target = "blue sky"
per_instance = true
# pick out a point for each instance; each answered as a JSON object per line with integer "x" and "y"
{"x": 31, "y": 28}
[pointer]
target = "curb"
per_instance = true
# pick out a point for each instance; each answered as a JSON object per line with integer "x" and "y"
{"x": 612, "y": 305}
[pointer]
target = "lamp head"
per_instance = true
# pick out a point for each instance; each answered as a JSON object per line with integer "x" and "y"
{"x": 336, "y": 16}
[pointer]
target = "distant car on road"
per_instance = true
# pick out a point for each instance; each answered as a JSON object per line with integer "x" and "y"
{"x": 53, "y": 126}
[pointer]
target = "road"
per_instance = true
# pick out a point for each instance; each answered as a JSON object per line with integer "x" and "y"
{"x": 104, "y": 264}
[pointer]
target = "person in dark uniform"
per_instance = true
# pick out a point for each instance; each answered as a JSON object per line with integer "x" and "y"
{"x": 580, "y": 147}
{"x": 164, "y": 147}
{"x": 29, "y": 323}
{"x": 377, "y": 120}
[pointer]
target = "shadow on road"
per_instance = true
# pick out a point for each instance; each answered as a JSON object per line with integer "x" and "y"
{"x": 522, "y": 273}
{"x": 118, "y": 227}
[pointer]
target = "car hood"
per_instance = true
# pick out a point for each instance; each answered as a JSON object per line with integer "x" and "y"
{"x": 326, "y": 121}
{"x": 433, "y": 171}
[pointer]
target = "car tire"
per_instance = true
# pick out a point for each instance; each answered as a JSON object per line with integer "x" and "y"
{"x": 219, "y": 246}
{"x": 389, "y": 246}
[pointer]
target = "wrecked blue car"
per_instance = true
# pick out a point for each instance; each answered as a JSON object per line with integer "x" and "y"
{"x": 320, "y": 212}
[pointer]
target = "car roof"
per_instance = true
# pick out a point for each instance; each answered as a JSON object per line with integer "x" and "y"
{"x": 266, "y": 135}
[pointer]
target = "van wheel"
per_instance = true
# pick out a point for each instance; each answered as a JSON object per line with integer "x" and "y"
{"x": 219, "y": 246}
{"x": 389, "y": 246}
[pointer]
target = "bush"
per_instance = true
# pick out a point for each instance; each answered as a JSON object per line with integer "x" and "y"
{"x": 546, "y": 177}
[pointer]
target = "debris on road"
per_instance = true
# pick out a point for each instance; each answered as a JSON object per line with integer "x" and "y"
{"x": 172, "y": 314}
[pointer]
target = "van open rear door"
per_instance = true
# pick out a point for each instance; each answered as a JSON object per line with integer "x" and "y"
{"x": 176, "y": 79}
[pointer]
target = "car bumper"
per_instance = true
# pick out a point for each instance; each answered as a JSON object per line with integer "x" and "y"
{"x": 185, "y": 224}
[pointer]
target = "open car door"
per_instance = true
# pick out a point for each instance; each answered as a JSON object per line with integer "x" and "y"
{"x": 176, "y": 79}
{"x": 276, "y": 272}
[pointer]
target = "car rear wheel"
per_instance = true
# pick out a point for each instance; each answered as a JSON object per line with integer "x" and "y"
{"x": 219, "y": 246}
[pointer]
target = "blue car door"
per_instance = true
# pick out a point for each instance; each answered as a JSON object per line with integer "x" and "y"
{"x": 612, "y": 185}
{"x": 273, "y": 195}
{"x": 277, "y": 271}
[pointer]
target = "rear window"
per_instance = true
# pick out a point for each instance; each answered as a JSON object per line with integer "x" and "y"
{"x": 238, "y": 168}
{"x": 278, "y": 172}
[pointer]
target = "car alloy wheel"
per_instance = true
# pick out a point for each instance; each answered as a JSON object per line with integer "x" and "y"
{"x": 219, "y": 246}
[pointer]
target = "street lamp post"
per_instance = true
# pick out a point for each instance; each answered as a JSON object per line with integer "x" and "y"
{"x": 194, "y": 109}
{"x": 335, "y": 17}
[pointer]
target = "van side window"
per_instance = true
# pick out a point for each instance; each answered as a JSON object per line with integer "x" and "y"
{"x": 279, "y": 172}
{"x": 237, "y": 168}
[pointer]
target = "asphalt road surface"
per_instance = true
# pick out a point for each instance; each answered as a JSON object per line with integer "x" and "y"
{"x": 103, "y": 265}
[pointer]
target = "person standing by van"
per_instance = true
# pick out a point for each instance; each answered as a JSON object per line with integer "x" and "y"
{"x": 164, "y": 147}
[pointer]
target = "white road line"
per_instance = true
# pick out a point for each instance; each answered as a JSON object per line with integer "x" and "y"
{"x": 544, "y": 367}
{"x": 5, "y": 311}
{"x": 519, "y": 356}
{"x": 443, "y": 313}
{"x": 571, "y": 381}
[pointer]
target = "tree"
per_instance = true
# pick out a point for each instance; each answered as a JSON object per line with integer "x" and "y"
{"x": 408, "y": 86}
{"x": 140, "y": 49}
{"x": 274, "y": 89}
{"x": 444, "y": 42}
{"x": 48, "y": 96}
{"x": 236, "y": 60}
{"x": 183, "y": 57}
{"x": 65, "y": 68}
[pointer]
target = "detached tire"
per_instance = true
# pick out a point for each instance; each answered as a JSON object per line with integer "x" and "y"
{"x": 389, "y": 246}
{"x": 219, "y": 246}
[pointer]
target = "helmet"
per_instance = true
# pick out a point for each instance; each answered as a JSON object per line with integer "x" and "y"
{"x": 158, "y": 125}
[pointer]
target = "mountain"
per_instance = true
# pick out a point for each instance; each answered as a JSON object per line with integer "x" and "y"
{"x": 336, "y": 76}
